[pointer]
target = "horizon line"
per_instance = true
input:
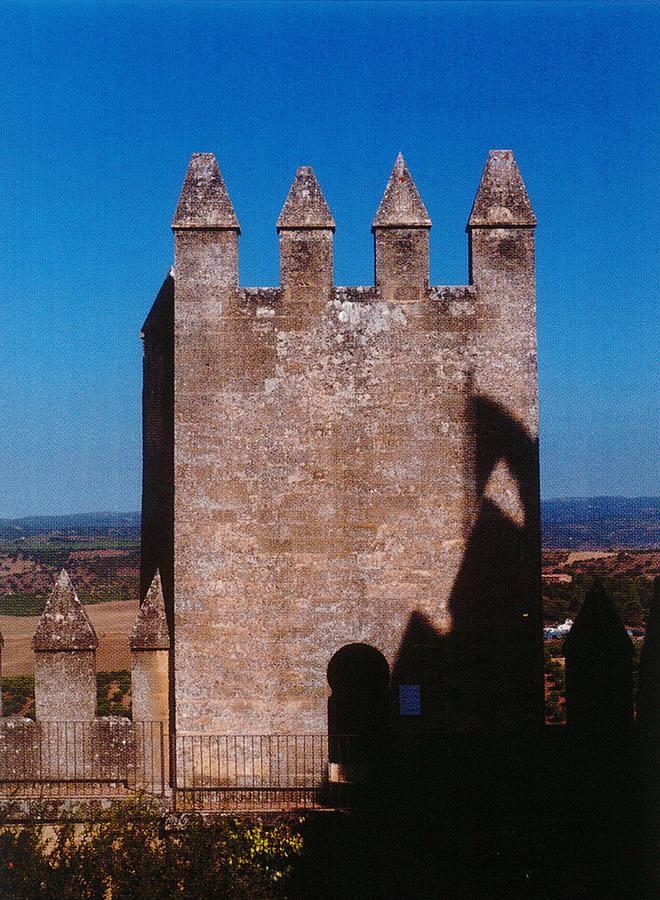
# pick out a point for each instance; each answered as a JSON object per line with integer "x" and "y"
{"x": 137, "y": 512}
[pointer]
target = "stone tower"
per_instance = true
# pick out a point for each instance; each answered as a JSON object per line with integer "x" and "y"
{"x": 341, "y": 483}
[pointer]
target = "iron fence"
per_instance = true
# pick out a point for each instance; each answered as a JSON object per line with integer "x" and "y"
{"x": 114, "y": 757}
{"x": 107, "y": 757}
{"x": 273, "y": 771}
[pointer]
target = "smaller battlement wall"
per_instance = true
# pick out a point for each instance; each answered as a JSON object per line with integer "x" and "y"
{"x": 64, "y": 649}
{"x": 67, "y": 742}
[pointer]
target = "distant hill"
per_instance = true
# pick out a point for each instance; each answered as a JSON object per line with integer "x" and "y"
{"x": 581, "y": 523}
{"x": 589, "y": 523}
{"x": 80, "y": 528}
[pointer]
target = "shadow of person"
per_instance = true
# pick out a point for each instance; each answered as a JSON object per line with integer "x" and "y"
{"x": 486, "y": 674}
{"x": 468, "y": 766}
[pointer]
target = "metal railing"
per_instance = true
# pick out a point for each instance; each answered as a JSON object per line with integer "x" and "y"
{"x": 107, "y": 757}
{"x": 114, "y": 757}
{"x": 273, "y": 771}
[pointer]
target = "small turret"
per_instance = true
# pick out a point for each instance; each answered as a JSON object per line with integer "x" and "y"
{"x": 2, "y": 644}
{"x": 501, "y": 229}
{"x": 401, "y": 239}
{"x": 150, "y": 649}
{"x": 204, "y": 201}
{"x": 599, "y": 653}
{"x": 306, "y": 229}
{"x": 648, "y": 701}
{"x": 65, "y": 658}
{"x": 205, "y": 227}
{"x": 502, "y": 269}
{"x": 501, "y": 200}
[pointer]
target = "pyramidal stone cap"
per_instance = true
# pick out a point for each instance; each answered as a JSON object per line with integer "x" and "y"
{"x": 305, "y": 205}
{"x": 401, "y": 206}
{"x": 651, "y": 650}
{"x": 501, "y": 200}
{"x": 598, "y": 625}
{"x": 64, "y": 624}
{"x": 204, "y": 201}
{"x": 150, "y": 631}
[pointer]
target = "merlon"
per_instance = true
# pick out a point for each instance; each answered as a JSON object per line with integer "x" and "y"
{"x": 305, "y": 205}
{"x": 401, "y": 206}
{"x": 64, "y": 624}
{"x": 501, "y": 200}
{"x": 150, "y": 631}
{"x": 204, "y": 201}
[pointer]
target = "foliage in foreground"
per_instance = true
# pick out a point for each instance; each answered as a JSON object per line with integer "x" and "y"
{"x": 128, "y": 851}
{"x": 18, "y": 695}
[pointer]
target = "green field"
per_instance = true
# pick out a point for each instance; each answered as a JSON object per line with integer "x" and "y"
{"x": 113, "y": 694}
{"x": 59, "y": 544}
{"x": 33, "y": 605}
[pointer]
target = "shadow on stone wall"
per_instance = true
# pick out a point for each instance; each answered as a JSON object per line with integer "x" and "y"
{"x": 474, "y": 797}
{"x": 486, "y": 674}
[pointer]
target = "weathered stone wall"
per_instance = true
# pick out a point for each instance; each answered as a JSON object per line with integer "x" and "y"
{"x": 19, "y": 749}
{"x": 402, "y": 264}
{"x": 355, "y": 469}
{"x": 68, "y": 750}
{"x": 150, "y": 685}
{"x": 65, "y": 685}
{"x": 306, "y": 264}
{"x": 322, "y": 498}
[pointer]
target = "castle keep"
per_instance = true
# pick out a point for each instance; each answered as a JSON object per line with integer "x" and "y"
{"x": 340, "y": 599}
{"x": 341, "y": 489}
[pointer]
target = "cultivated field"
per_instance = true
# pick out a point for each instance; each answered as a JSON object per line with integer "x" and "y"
{"x": 113, "y": 623}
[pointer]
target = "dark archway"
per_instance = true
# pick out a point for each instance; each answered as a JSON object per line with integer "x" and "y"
{"x": 359, "y": 676}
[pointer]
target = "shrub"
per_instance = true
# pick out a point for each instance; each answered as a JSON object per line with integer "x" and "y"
{"x": 113, "y": 692}
{"x": 127, "y": 852}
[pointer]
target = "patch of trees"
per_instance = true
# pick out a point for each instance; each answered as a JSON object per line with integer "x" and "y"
{"x": 631, "y": 595}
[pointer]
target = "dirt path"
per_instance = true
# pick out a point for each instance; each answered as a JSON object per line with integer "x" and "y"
{"x": 113, "y": 623}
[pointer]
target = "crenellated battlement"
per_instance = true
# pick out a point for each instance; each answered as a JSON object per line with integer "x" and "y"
{"x": 206, "y": 234}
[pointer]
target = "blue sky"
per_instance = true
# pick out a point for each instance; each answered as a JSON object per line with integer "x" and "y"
{"x": 102, "y": 105}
